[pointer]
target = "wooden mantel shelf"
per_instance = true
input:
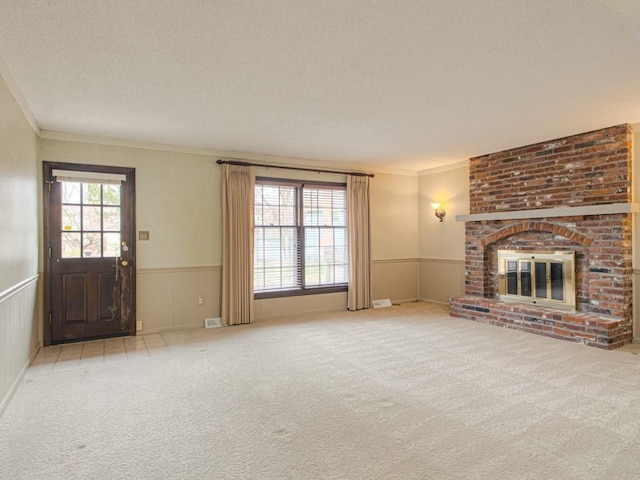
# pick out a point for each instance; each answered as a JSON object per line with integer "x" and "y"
{"x": 606, "y": 209}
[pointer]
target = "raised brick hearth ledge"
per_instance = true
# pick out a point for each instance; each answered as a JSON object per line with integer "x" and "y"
{"x": 587, "y": 328}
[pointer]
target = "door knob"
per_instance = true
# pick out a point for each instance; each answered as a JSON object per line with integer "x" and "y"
{"x": 124, "y": 263}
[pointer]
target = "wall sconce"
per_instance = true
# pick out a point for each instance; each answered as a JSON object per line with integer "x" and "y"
{"x": 440, "y": 212}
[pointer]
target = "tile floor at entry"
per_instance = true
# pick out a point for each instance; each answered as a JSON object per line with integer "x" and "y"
{"x": 97, "y": 352}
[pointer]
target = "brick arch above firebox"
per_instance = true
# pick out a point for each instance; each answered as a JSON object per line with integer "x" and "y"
{"x": 529, "y": 226}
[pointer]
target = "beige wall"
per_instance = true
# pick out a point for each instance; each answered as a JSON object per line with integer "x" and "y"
{"x": 19, "y": 241}
{"x": 178, "y": 201}
{"x": 450, "y": 188}
{"x": 441, "y": 244}
{"x": 18, "y": 195}
{"x": 394, "y": 217}
{"x": 394, "y": 237}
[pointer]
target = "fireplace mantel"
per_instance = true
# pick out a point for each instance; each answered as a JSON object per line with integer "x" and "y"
{"x": 603, "y": 209}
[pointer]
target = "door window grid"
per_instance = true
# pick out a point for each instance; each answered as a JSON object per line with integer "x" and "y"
{"x": 90, "y": 220}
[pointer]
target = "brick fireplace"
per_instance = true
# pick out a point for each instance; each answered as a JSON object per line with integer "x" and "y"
{"x": 569, "y": 194}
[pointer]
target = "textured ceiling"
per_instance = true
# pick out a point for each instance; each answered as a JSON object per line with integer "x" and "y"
{"x": 406, "y": 84}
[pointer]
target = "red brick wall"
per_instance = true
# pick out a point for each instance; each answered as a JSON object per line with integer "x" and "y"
{"x": 603, "y": 256}
{"x": 587, "y": 169}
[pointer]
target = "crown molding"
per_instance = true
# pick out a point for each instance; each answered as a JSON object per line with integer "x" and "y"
{"x": 17, "y": 95}
{"x": 119, "y": 142}
{"x": 224, "y": 154}
{"x": 444, "y": 168}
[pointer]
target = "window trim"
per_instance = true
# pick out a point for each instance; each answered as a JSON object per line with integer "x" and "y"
{"x": 298, "y": 292}
{"x": 302, "y": 291}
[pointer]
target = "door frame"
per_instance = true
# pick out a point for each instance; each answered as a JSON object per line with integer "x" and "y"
{"x": 47, "y": 169}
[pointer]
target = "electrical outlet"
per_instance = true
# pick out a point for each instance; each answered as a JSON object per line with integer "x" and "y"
{"x": 143, "y": 235}
{"x": 200, "y": 300}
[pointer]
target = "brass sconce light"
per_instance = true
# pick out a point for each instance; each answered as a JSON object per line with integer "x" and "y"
{"x": 440, "y": 212}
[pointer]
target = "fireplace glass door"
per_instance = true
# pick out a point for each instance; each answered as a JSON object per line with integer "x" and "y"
{"x": 537, "y": 277}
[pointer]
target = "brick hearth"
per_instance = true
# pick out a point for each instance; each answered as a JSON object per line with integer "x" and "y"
{"x": 586, "y": 170}
{"x": 594, "y": 330}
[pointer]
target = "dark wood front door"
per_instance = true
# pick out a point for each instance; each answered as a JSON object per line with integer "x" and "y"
{"x": 90, "y": 252}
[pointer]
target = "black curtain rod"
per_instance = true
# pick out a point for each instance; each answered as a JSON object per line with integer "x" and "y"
{"x": 317, "y": 170}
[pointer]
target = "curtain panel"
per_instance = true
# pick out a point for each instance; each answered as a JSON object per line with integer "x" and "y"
{"x": 359, "y": 293}
{"x": 237, "y": 244}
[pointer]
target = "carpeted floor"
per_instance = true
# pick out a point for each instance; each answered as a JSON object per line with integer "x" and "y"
{"x": 405, "y": 392}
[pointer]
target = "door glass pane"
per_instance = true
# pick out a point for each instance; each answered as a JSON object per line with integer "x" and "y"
{"x": 70, "y": 245}
{"x": 91, "y": 218}
{"x": 525, "y": 279}
{"x": 91, "y": 244}
{"x": 91, "y": 193}
{"x": 111, "y": 194}
{"x": 71, "y": 218}
{"x": 111, "y": 244}
{"x": 70, "y": 192}
{"x": 111, "y": 219}
{"x": 541, "y": 279}
{"x": 557, "y": 281}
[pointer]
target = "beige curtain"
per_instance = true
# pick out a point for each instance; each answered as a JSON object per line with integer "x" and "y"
{"x": 237, "y": 244}
{"x": 359, "y": 294}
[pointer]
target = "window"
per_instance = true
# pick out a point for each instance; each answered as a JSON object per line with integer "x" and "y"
{"x": 300, "y": 238}
{"x": 90, "y": 220}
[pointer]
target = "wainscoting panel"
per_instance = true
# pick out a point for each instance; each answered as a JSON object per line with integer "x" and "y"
{"x": 168, "y": 297}
{"x": 19, "y": 334}
{"x": 270, "y": 308}
{"x": 396, "y": 279}
{"x": 441, "y": 279}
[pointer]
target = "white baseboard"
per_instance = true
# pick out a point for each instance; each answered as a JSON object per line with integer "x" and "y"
{"x": 429, "y": 300}
{"x": 169, "y": 329}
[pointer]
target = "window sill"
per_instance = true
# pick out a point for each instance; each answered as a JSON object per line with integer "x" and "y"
{"x": 298, "y": 292}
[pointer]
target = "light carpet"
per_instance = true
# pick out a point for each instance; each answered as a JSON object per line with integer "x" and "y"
{"x": 405, "y": 392}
